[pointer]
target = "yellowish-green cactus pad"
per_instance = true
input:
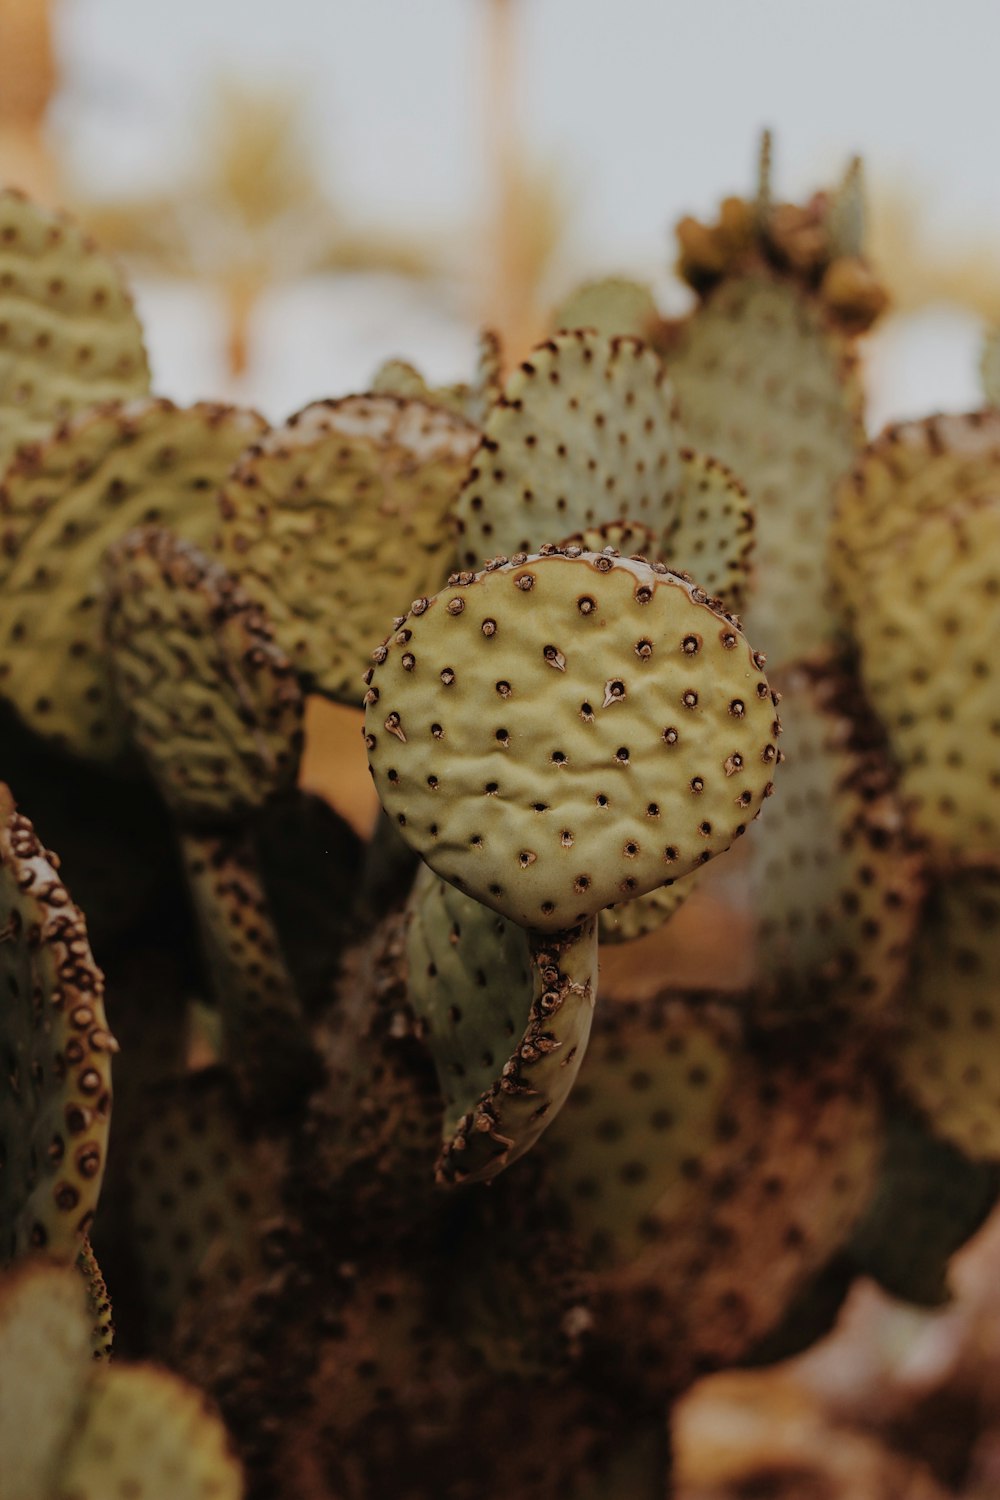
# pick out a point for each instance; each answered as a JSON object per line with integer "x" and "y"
{"x": 55, "y": 1107}
{"x": 62, "y": 504}
{"x": 336, "y": 520}
{"x": 565, "y": 730}
{"x": 69, "y": 336}
{"x": 584, "y": 433}
{"x": 611, "y": 306}
{"x": 212, "y": 700}
{"x": 711, "y": 533}
{"x": 397, "y": 377}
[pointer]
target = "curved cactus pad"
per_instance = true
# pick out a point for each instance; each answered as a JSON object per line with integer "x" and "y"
{"x": 56, "y": 1104}
{"x": 561, "y": 731}
{"x": 711, "y": 534}
{"x": 929, "y": 665}
{"x": 506, "y": 1021}
{"x": 944, "y": 1059}
{"x": 911, "y": 471}
{"x": 611, "y": 306}
{"x": 628, "y": 920}
{"x": 766, "y": 386}
{"x": 61, "y": 506}
{"x": 146, "y": 1434}
{"x": 396, "y": 377}
{"x": 583, "y": 434}
{"x": 212, "y": 700}
{"x": 336, "y": 519}
{"x": 69, "y": 335}
{"x": 45, "y": 1363}
{"x": 836, "y": 884}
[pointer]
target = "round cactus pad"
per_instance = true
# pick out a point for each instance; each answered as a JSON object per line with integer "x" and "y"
{"x": 212, "y": 700}
{"x": 506, "y": 1021}
{"x": 61, "y": 507}
{"x": 397, "y": 377}
{"x": 565, "y": 730}
{"x": 766, "y": 386}
{"x": 584, "y": 433}
{"x": 69, "y": 336}
{"x": 711, "y": 532}
{"x": 610, "y": 306}
{"x": 56, "y": 1103}
{"x": 145, "y": 1434}
{"x": 338, "y": 518}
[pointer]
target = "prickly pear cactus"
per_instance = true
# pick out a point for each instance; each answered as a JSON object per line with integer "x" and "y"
{"x": 55, "y": 1111}
{"x": 337, "y": 518}
{"x": 63, "y": 503}
{"x": 397, "y": 377}
{"x": 69, "y": 336}
{"x": 657, "y": 748}
{"x": 212, "y": 701}
{"x": 612, "y": 306}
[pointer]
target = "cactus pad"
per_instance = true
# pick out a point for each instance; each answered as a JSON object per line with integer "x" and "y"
{"x": 711, "y": 534}
{"x": 911, "y": 471}
{"x": 611, "y": 306}
{"x": 989, "y": 367}
{"x": 399, "y": 378}
{"x": 943, "y": 1059}
{"x": 628, "y": 920}
{"x": 507, "y": 1022}
{"x": 55, "y": 1108}
{"x": 765, "y": 385}
{"x": 336, "y": 519}
{"x": 61, "y": 505}
{"x": 44, "y": 1367}
{"x": 69, "y": 336}
{"x": 212, "y": 701}
{"x": 837, "y": 887}
{"x": 561, "y": 731}
{"x": 145, "y": 1434}
{"x": 929, "y": 664}
{"x": 584, "y": 433}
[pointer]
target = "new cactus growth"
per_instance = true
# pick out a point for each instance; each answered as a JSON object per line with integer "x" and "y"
{"x": 390, "y": 1180}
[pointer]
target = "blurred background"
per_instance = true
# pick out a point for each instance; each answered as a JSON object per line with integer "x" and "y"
{"x": 305, "y": 189}
{"x": 302, "y": 190}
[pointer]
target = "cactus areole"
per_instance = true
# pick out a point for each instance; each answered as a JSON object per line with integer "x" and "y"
{"x": 567, "y": 730}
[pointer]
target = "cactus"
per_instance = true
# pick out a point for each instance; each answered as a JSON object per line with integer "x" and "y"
{"x": 313, "y": 506}
{"x": 397, "y": 377}
{"x": 55, "y": 1111}
{"x": 662, "y": 749}
{"x": 64, "y": 501}
{"x": 69, "y": 336}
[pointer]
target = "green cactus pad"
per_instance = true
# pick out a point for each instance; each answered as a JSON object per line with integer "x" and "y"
{"x": 911, "y": 471}
{"x": 69, "y": 336}
{"x": 929, "y": 1201}
{"x": 198, "y": 1184}
{"x": 265, "y": 1037}
{"x": 611, "y": 307}
{"x": 338, "y": 518}
{"x": 61, "y": 505}
{"x": 765, "y": 385}
{"x": 928, "y": 663}
{"x": 212, "y": 701}
{"x": 584, "y": 433}
{"x": 55, "y": 1108}
{"x": 989, "y": 367}
{"x": 561, "y": 731}
{"x": 628, "y": 920}
{"x": 836, "y": 885}
{"x": 45, "y": 1363}
{"x": 943, "y": 1059}
{"x": 506, "y": 1021}
{"x": 711, "y": 535}
{"x": 396, "y": 377}
{"x": 145, "y": 1434}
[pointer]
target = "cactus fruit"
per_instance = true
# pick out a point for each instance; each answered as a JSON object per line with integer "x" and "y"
{"x": 927, "y": 658}
{"x": 836, "y": 884}
{"x": 212, "y": 701}
{"x": 660, "y": 741}
{"x": 506, "y": 1021}
{"x": 584, "y": 433}
{"x": 612, "y": 307}
{"x": 63, "y": 502}
{"x": 69, "y": 336}
{"x": 942, "y": 1059}
{"x": 332, "y": 519}
{"x": 143, "y": 1432}
{"x": 55, "y": 1112}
